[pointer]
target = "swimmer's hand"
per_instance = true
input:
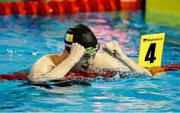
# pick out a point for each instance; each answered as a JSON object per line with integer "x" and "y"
{"x": 77, "y": 51}
{"x": 114, "y": 49}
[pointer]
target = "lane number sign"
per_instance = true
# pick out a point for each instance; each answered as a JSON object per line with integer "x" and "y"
{"x": 151, "y": 48}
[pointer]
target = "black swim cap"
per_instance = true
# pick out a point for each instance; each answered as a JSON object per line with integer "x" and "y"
{"x": 82, "y": 35}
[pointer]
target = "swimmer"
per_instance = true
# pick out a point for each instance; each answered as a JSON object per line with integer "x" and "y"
{"x": 81, "y": 52}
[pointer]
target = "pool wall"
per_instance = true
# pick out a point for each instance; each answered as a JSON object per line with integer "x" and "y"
{"x": 163, "y": 12}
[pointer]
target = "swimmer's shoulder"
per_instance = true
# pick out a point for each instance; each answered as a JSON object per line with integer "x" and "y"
{"x": 54, "y": 58}
{"x": 43, "y": 61}
{"x": 51, "y": 57}
{"x": 46, "y": 58}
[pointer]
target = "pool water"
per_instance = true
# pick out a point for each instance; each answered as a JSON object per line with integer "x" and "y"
{"x": 24, "y": 39}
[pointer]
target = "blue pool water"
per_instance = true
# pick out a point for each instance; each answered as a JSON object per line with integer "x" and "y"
{"x": 24, "y": 39}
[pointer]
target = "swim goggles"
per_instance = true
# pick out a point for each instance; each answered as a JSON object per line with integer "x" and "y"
{"x": 90, "y": 51}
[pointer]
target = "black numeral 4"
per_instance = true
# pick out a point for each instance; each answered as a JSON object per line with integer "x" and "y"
{"x": 150, "y": 54}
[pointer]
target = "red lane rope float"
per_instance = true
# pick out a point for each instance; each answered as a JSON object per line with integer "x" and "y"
{"x": 14, "y": 76}
{"x": 5, "y": 8}
{"x": 31, "y": 8}
{"x": 130, "y": 4}
{"x": 117, "y": 4}
{"x": 83, "y": 5}
{"x": 110, "y": 5}
{"x": 70, "y": 6}
{"x": 41, "y": 7}
{"x": 106, "y": 75}
{"x": 17, "y": 8}
{"x": 23, "y": 76}
{"x": 1, "y": 9}
{"x": 168, "y": 67}
{"x": 56, "y": 7}
{"x": 97, "y": 5}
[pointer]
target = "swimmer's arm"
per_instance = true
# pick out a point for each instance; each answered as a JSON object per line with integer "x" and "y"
{"x": 60, "y": 70}
{"x": 133, "y": 66}
{"x": 54, "y": 73}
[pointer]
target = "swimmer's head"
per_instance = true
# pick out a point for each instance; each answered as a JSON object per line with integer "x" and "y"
{"x": 82, "y": 35}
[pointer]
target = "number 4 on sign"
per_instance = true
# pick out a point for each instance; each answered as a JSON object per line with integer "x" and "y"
{"x": 150, "y": 53}
{"x": 151, "y": 47}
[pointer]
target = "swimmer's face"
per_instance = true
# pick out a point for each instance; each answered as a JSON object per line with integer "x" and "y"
{"x": 85, "y": 60}
{"x": 88, "y": 56}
